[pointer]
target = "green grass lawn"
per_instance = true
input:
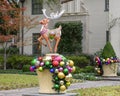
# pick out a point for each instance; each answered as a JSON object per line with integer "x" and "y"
{"x": 14, "y": 81}
{"x": 101, "y": 91}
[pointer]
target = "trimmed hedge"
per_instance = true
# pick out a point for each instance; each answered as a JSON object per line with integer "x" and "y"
{"x": 80, "y": 61}
{"x": 26, "y": 68}
{"x": 22, "y": 62}
{"x": 17, "y": 61}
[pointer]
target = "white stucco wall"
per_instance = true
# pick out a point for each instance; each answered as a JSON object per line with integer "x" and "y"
{"x": 97, "y": 24}
{"x": 114, "y": 12}
{"x": 94, "y": 34}
{"x": 28, "y": 12}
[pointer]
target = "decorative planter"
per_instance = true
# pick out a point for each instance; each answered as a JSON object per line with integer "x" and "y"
{"x": 54, "y": 73}
{"x": 110, "y": 69}
{"x": 107, "y": 67}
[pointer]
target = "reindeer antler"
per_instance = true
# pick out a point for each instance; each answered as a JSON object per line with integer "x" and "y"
{"x": 53, "y": 15}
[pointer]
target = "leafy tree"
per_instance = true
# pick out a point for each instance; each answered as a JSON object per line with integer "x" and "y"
{"x": 9, "y": 24}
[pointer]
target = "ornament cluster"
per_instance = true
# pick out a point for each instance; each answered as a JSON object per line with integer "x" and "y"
{"x": 100, "y": 61}
{"x": 106, "y": 61}
{"x": 59, "y": 66}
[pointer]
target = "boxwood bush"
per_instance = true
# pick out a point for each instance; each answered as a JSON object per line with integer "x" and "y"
{"x": 17, "y": 61}
{"x": 80, "y": 61}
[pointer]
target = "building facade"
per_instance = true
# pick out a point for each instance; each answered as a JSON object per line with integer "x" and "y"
{"x": 96, "y": 16}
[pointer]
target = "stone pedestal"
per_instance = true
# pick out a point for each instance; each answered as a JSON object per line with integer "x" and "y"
{"x": 45, "y": 81}
{"x": 45, "y": 78}
{"x": 110, "y": 69}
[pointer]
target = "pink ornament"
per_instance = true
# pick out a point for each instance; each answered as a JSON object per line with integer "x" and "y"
{"x": 70, "y": 70}
{"x": 32, "y": 68}
{"x": 42, "y": 63}
{"x": 60, "y": 69}
{"x": 58, "y": 58}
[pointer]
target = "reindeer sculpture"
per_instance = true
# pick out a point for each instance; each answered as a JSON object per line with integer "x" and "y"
{"x": 49, "y": 35}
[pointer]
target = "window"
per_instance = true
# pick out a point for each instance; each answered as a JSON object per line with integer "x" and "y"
{"x": 36, "y": 7}
{"x": 106, "y": 5}
{"x": 36, "y": 46}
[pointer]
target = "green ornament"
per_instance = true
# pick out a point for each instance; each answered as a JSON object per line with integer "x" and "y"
{"x": 33, "y": 61}
{"x": 51, "y": 66}
{"x": 56, "y": 86}
{"x": 65, "y": 71}
{"x": 47, "y": 63}
{"x": 56, "y": 78}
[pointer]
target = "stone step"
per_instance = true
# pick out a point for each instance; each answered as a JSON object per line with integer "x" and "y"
{"x": 110, "y": 78}
{"x": 40, "y": 94}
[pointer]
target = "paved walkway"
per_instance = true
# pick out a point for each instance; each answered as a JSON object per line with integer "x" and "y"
{"x": 86, "y": 84}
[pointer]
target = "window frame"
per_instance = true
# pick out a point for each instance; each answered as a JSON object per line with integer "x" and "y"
{"x": 37, "y": 7}
{"x": 106, "y": 5}
{"x": 35, "y": 44}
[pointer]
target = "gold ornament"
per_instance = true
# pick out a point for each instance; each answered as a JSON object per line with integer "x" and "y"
{"x": 62, "y": 88}
{"x": 71, "y": 63}
{"x": 61, "y": 75}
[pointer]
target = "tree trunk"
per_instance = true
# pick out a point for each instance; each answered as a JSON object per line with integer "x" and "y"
{"x": 5, "y": 55}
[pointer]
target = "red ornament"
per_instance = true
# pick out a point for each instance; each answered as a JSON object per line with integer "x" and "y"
{"x": 55, "y": 63}
{"x": 40, "y": 58}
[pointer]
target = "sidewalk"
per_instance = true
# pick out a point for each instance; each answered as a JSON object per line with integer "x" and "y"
{"x": 86, "y": 84}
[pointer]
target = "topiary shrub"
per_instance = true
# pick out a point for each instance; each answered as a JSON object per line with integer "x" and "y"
{"x": 108, "y": 51}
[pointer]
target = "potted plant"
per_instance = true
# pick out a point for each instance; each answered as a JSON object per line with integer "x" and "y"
{"x": 107, "y": 61}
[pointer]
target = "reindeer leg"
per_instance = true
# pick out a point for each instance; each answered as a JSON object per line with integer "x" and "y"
{"x": 47, "y": 41}
{"x": 40, "y": 40}
{"x": 56, "y": 44}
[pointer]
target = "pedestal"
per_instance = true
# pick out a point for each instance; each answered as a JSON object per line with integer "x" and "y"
{"x": 110, "y": 69}
{"x": 45, "y": 81}
{"x": 45, "y": 78}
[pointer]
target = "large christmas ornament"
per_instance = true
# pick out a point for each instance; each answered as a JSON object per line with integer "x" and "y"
{"x": 62, "y": 63}
{"x": 65, "y": 71}
{"x": 61, "y": 82}
{"x": 40, "y": 58}
{"x": 62, "y": 88}
{"x": 33, "y": 61}
{"x": 61, "y": 75}
{"x": 55, "y": 63}
{"x": 40, "y": 69}
{"x": 71, "y": 63}
{"x": 59, "y": 66}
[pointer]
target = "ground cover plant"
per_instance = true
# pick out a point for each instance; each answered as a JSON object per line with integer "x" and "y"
{"x": 101, "y": 91}
{"x": 14, "y": 81}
